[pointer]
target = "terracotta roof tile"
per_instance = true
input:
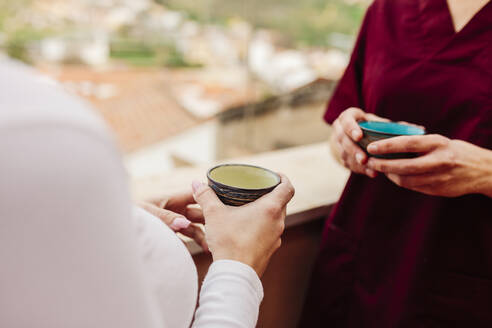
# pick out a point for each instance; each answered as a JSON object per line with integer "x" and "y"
{"x": 141, "y": 105}
{"x": 142, "y": 110}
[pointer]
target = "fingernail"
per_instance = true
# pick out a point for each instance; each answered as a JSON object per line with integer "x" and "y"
{"x": 371, "y": 173}
{"x": 195, "y": 185}
{"x": 359, "y": 157}
{"x": 372, "y": 148}
{"x": 355, "y": 134}
{"x": 180, "y": 223}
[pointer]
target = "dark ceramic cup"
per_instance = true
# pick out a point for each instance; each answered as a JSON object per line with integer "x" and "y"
{"x": 374, "y": 131}
{"x": 239, "y": 184}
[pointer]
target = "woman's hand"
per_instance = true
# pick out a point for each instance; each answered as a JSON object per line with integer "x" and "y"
{"x": 446, "y": 167}
{"x": 346, "y": 133}
{"x": 178, "y": 213}
{"x": 249, "y": 234}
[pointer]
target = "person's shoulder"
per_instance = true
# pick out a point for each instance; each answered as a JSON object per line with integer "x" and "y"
{"x": 386, "y": 6}
{"x": 383, "y": 14}
{"x": 30, "y": 99}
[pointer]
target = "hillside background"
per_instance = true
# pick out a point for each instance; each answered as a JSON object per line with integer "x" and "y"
{"x": 306, "y": 22}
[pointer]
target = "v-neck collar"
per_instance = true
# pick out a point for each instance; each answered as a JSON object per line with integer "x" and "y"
{"x": 469, "y": 24}
{"x": 436, "y": 29}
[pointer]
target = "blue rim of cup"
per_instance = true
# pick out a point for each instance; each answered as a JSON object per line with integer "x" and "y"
{"x": 412, "y": 130}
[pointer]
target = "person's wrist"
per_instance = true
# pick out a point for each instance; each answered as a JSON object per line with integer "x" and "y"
{"x": 485, "y": 183}
{"x": 488, "y": 189}
{"x": 478, "y": 166}
{"x": 238, "y": 257}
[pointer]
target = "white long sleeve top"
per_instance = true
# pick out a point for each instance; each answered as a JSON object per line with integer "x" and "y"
{"x": 73, "y": 251}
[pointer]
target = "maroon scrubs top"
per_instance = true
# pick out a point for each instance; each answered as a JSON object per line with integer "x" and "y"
{"x": 391, "y": 257}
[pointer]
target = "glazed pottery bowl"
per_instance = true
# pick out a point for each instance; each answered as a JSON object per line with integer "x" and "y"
{"x": 374, "y": 131}
{"x": 239, "y": 184}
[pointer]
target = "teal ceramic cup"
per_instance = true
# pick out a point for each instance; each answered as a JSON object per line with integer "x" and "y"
{"x": 374, "y": 131}
{"x": 239, "y": 184}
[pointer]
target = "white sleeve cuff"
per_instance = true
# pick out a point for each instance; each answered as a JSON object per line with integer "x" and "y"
{"x": 230, "y": 297}
{"x": 241, "y": 270}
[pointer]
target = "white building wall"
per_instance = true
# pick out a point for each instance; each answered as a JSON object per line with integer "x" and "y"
{"x": 195, "y": 146}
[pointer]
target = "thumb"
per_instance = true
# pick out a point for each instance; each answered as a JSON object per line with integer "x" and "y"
{"x": 205, "y": 196}
{"x": 173, "y": 220}
{"x": 283, "y": 193}
{"x": 373, "y": 117}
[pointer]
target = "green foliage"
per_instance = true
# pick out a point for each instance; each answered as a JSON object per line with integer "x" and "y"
{"x": 18, "y": 41}
{"x": 306, "y": 22}
{"x": 139, "y": 53}
{"x": 9, "y": 10}
{"x": 134, "y": 53}
{"x": 175, "y": 59}
{"x": 17, "y": 50}
{"x": 18, "y": 31}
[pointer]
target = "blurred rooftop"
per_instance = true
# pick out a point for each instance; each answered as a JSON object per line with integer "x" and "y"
{"x": 145, "y": 106}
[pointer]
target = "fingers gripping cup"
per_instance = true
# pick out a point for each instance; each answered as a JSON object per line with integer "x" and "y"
{"x": 374, "y": 131}
{"x": 239, "y": 184}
